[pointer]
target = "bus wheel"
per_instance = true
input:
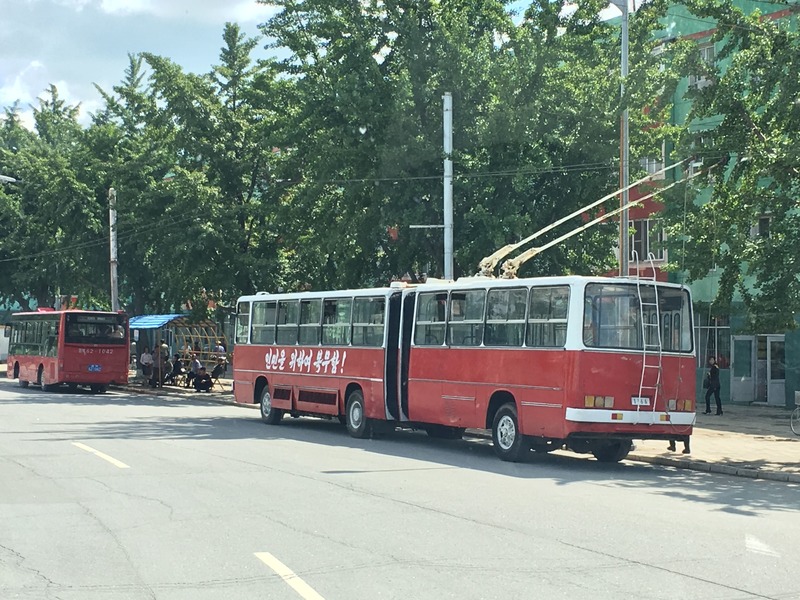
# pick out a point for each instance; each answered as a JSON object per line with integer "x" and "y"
{"x": 46, "y": 387}
{"x": 509, "y": 443}
{"x": 98, "y": 389}
{"x": 23, "y": 383}
{"x": 613, "y": 451}
{"x": 269, "y": 414}
{"x": 355, "y": 417}
{"x": 443, "y": 432}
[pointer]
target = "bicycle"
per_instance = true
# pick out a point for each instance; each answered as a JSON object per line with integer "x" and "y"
{"x": 794, "y": 420}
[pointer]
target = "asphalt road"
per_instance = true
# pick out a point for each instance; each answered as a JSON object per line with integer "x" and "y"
{"x": 126, "y": 497}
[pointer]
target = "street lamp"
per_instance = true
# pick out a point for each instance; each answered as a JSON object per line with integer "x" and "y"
{"x": 7, "y": 179}
{"x": 624, "y": 245}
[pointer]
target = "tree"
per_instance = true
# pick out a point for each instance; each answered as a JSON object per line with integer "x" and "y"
{"x": 750, "y": 171}
{"x": 53, "y": 222}
{"x": 369, "y": 80}
{"x": 226, "y": 124}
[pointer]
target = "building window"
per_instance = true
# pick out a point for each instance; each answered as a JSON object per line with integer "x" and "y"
{"x": 708, "y": 56}
{"x": 648, "y": 237}
{"x": 713, "y": 336}
{"x": 654, "y": 164}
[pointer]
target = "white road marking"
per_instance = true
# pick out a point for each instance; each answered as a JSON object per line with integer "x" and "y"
{"x": 753, "y": 544}
{"x": 289, "y": 576}
{"x": 111, "y": 459}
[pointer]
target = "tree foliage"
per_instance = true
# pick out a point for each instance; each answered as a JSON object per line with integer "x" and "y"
{"x": 744, "y": 129}
{"x": 310, "y": 170}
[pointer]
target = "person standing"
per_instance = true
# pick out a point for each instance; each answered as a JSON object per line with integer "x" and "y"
{"x": 712, "y": 386}
{"x": 146, "y": 362}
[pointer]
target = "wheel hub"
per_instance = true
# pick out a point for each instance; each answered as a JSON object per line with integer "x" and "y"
{"x": 506, "y": 432}
{"x": 356, "y": 415}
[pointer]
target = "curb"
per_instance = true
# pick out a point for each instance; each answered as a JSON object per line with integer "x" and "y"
{"x": 722, "y": 469}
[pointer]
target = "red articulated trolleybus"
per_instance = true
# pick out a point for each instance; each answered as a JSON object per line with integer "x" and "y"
{"x": 73, "y": 347}
{"x": 586, "y": 363}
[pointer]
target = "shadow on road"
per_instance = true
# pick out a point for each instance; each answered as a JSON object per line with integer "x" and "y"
{"x": 731, "y": 494}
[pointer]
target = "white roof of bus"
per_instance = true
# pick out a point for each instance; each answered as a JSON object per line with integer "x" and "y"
{"x": 381, "y": 291}
{"x": 461, "y": 283}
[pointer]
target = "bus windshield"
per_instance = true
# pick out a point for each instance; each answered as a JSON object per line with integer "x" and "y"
{"x": 96, "y": 329}
{"x": 614, "y": 317}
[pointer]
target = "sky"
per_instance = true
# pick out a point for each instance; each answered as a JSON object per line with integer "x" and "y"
{"x": 75, "y": 44}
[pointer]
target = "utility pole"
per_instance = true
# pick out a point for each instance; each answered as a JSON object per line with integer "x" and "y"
{"x": 448, "y": 185}
{"x": 112, "y": 221}
{"x": 624, "y": 151}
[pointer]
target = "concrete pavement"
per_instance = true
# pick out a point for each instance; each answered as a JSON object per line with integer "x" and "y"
{"x": 211, "y": 504}
{"x": 747, "y": 441}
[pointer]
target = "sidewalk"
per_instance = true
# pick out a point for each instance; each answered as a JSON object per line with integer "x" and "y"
{"x": 747, "y": 441}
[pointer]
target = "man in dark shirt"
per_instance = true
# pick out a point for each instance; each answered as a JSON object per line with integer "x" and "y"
{"x": 712, "y": 385}
{"x": 202, "y": 382}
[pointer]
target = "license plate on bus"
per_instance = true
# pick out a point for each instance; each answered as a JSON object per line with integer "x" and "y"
{"x": 640, "y": 401}
{"x": 95, "y": 368}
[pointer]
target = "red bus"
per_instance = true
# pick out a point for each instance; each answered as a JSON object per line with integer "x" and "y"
{"x": 586, "y": 363}
{"x": 73, "y": 347}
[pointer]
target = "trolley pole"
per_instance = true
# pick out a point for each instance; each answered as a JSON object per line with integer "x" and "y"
{"x": 112, "y": 221}
{"x": 448, "y": 185}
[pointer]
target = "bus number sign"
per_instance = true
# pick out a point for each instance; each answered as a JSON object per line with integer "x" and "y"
{"x": 640, "y": 401}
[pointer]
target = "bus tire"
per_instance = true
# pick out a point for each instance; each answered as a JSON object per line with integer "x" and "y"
{"x": 444, "y": 432}
{"x": 23, "y": 383}
{"x": 269, "y": 414}
{"x": 509, "y": 444}
{"x": 613, "y": 451}
{"x": 98, "y": 389}
{"x": 356, "y": 420}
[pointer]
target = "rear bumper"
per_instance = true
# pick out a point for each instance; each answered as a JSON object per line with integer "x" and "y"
{"x": 83, "y": 378}
{"x": 629, "y": 417}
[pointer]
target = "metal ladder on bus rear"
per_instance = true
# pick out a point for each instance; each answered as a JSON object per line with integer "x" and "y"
{"x": 650, "y": 380}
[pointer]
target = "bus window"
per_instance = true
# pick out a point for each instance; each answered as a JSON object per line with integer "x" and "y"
{"x": 288, "y": 313}
{"x": 547, "y": 317}
{"x": 263, "y": 324}
{"x": 368, "y": 318}
{"x": 336, "y": 321}
{"x": 310, "y": 319}
{"x": 430, "y": 323}
{"x": 505, "y": 317}
{"x": 612, "y": 316}
{"x": 666, "y": 337}
{"x": 466, "y": 318}
{"x": 242, "y": 322}
{"x": 83, "y": 328}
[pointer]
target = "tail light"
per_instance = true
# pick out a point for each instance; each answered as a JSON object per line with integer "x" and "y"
{"x": 598, "y": 401}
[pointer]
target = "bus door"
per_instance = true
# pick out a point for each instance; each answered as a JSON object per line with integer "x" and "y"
{"x": 390, "y": 389}
{"x": 406, "y": 329}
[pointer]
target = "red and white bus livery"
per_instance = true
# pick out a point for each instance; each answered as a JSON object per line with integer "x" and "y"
{"x": 586, "y": 363}
{"x": 75, "y": 347}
